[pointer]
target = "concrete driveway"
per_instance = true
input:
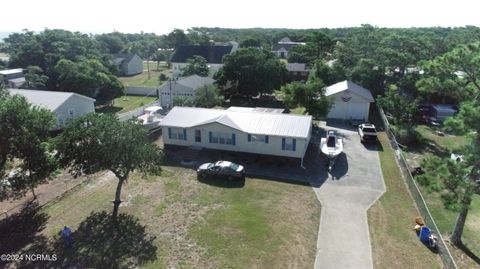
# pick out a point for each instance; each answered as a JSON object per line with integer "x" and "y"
{"x": 354, "y": 184}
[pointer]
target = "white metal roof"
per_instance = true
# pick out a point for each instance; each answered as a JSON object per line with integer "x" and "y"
{"x": 11, "y": 71}
{"x": 348, "y": 85}
{"x": 252, "y": 122}
{"x": 47, "y": 99}
{"x": 256, "y": 109}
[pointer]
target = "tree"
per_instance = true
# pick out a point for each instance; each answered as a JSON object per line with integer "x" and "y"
{"x": 88, "y": 77}
{"x": 310, "y": 95}
{"x": 197, "y": 65}
{"x": 101, "y": 140}
{"x": 401, "y": 109}
{"x": 323, "y": 44}
{"x": 25, "y": 131}
{"x": 302, "y": 54}
{"x": 183, "y": 101}
{"x": 208, "y": 96}
{"x": 327, "y": 74}
{"x": 35, "y": 79}
{"x": 177, "y": 38}
{"x": 453, "y": 76}
{"x": 251, "y": 72}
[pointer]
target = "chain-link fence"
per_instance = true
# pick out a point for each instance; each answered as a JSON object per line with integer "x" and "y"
{"x": 443, "y": 251}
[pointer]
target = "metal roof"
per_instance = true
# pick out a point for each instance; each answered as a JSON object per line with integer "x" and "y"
{"x": 252, "y": 122}
{"x": 11, "y": 71}
{"x": 256, "y": 109}
{"x": 46, "y": 99}
{"x": 350, "y": 86}
{"x": 296, "y": 67}
{"x": 192, "y": 82}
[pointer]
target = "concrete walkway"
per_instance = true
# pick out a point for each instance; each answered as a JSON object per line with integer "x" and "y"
{"x": 355, "y": 183}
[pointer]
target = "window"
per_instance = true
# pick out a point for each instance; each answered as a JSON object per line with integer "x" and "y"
{"x": 177, "y": 133}
{"x": 198, "y": 136}
{"x": 71, "y": 112}
{"x": 289, "y": 144}
{"x": 257, "y": 138}
{"x": 221, "y": 138}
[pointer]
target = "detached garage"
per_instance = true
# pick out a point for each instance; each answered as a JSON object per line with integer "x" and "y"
{"x": 350, "y": 101}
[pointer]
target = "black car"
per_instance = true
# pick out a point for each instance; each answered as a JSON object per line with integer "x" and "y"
{"x": 224, "y": 169}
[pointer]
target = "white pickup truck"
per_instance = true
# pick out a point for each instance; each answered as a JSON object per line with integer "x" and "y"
{"x": 367, "y": 132}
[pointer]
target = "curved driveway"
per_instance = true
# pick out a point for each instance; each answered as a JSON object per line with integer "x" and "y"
{"x": 355, "y": 183}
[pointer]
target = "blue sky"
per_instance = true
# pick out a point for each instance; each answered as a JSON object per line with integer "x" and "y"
{"x": 162, "y": 16}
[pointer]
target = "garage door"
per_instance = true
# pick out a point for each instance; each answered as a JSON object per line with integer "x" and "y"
{"x": 349, "y": 110}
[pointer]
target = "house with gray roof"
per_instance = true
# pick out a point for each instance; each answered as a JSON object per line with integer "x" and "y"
{"x": 282, "y": 48}
{"x": 65, "y": 105}
{"x": 128, "y": 64}
{"x": 297, "y": 71}
{"x": 241, "y": 130}
{"x": 13, "y": 78}
{"x": 182, "y": 87}
{"x": 350, "y": 101}
{"x": 212, "y": 53}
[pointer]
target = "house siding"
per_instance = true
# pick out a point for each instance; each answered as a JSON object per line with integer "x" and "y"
{"x": 79, "y": 105}
{"x": 133, "y": 67}
{"x": 356, "y": 108}
{"x": 240, "y": 139}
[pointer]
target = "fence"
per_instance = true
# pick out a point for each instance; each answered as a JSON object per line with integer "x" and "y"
{"x": 443, "y": 251}
{"x": 136, "y": 112}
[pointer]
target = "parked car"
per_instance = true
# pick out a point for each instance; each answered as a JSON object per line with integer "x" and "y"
{"x": 224, "y": 169}
{"x": 367, "y": 132}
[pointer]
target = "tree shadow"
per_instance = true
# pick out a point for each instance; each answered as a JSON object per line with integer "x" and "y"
{"x": 99, "y": 242}
{"x": 21, "y": 229}
{"x": 108, "y": 109}
{"x": 340, "y": 168}
{"x": 468, "y": 252}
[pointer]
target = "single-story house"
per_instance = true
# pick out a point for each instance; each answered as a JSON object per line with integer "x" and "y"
{"x": 350, "y": 101}
{"x": 263, "y": 133}
{"x": 13, "y": 78}
{"x": 65, "y": 105}
{"x": 129, "y": 64}
{"x": 297, "y": 71}
{"x": 212, "y": 53}
{"x": 182, "y": 87}
{"x": 282, "y": 48}
{"x": 442, "y": 111}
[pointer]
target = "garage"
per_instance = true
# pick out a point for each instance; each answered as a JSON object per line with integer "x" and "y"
{"x": 350, "y": 101}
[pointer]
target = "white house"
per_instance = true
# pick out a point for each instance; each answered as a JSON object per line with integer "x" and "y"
{"x": 236, "y": 130}
{"x": 182, "y": 87}
{"x": 282, "y": 48}
{"x": 212, "y": 53}
{"x": 65, "y": 105}
{"x": 13, "y": 78}
{"x": 129, "y": 64}
{"x": 350, "y": 101}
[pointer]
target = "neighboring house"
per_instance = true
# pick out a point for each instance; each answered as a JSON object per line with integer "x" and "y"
{"x": 13, "y": 78}
{"x": 212, "y": 53}
{"x": 182, "y": 87}
{"x": 263, "y": 133}
{"x": 350, "y": 101}
{"x": 129, "y": 64}
{"x": 65, "y": 105}
{"x": 297, "y": 72}
{"x": 283, "y": 46}
{"x": 441, "y": 111}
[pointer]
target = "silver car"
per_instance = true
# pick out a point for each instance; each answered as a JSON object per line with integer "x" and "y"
{"x": 224, "y": 169}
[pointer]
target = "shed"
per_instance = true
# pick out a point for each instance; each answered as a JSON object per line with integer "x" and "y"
{"x": 65, "y": 105}
{"x": 129, "y": 64}
{"x": 350, "y": 101}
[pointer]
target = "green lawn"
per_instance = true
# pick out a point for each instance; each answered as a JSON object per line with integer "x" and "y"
{"x": 126, "y": 103}
{"x": 449, "y": 142}
{"x": 391, "y": 220}
{"x": 262, "y": 224}
{"x": 142, "y": 80}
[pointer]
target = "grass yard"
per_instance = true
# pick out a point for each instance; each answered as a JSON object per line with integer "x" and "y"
{"x": 450, "y": 143}
{"x": 142, "y": 80}
{"x": 263, "y": 224}
{"x": 391, "y": 220}
{"x": 126, "y": 103}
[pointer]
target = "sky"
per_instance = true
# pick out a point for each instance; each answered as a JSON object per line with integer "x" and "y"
{"x": 160, "y": 16}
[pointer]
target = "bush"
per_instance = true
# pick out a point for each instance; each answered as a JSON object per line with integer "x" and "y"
{"x": 405, "y": 136}
{"x": 162, "y": 77}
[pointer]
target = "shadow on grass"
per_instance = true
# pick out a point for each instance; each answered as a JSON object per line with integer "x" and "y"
{"x": 99, "y": 242}
{"x": 109, "y": 109}
{"x": 21, "y": 229}
{"x": 468, "y": 252}
{"x": 223, "y": 182}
